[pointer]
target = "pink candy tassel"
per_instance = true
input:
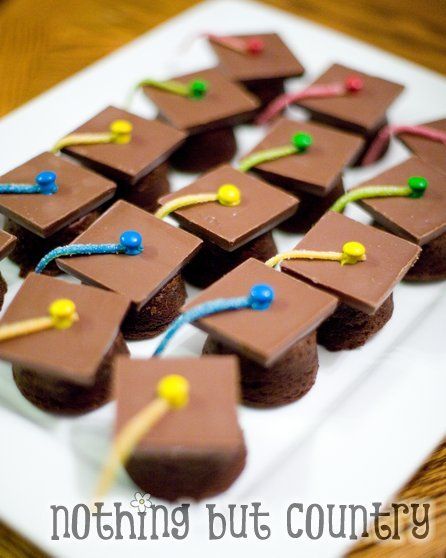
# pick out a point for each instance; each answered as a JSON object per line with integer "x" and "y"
{"x": 387, "y": 132}
{"x": 351, "y": 85}
{"x": 251, "y": 45}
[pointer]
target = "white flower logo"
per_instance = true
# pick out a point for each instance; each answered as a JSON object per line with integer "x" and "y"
{"x": 141, "y": 501}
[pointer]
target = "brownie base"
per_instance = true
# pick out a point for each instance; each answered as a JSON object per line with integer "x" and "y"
{"x": 30, "y": 248}
{"x": 431, "y": 265}
{"x": 155, "y": 316}
{"x": 349, "y": 328}
{"x": 63, "y": 397}
{"x": 146, "y": 192}
{"x": 212, "y": 262}
{"x": 3, "y": 289}
{"x": 203, "y": 151}
{"x": 175, "y": 474}
{"x": 266, "y": 90}
{"x": 289, "y": 379}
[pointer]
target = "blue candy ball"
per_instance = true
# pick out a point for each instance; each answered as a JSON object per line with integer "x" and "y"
{"x": 261, "y": 297}
{"x": 47, "y": 182}
{"x": 132, "y": 241}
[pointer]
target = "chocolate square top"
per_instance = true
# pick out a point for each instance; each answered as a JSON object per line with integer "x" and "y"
{"x": 76, "y": 353}
{"x": 363, "y": 111}
{"x": 206, "y": 423}
{"x": 264, "y": 336}
{"x": 262, "y": 207}
{"x": 80, "y": 191}
{"x": 419, "y": 220}
{"x": 225, "y": 103}
{"x": 316, "y": 170}
{"x": 433, "y": 152}
{"x": 151, "y": 144}
{"x": 275, "y": 61}
{"x": 166, "y": 250}
{"x": 365, "y": 285}
{"x": 7, "y": 243}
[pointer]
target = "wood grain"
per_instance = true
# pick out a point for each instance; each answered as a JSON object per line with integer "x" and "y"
{"x": 44, "y": 41}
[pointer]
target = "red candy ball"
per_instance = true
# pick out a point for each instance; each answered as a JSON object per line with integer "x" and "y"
{"x": 354, "y": 83}
{"x": 255, "y": 45}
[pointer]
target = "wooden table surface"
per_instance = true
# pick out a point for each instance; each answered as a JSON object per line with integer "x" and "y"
{"x": 45, "y": 41}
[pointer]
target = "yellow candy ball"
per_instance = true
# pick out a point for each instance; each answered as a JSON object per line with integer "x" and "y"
{"x": 174, "y": 389}
{"x": 63, "y": 312}
{"x": 121, "y": 127}
{"x": 229, "y": 195}
{"x": 354, "y": 249}
{"x": 121, "y": 130}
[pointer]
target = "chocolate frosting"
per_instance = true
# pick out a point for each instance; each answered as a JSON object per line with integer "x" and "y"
{"x": 318, "y": 169}
{"x": 75, "y": 353}
{"x": 225, "y": 104}
{"x": 364, "y": 285}
{"x": 262, "y": 207}
{"x": 362, "y": 111}
{"x": 166, "y": 250}
{"x": 80, "y": 191}
{"x": 419, "y": 220}
{"x": 152, "y": 143}
{"x": 264, "y": 336}
{"x": 208, "y": 422}
{"x": 7, "y": 243}
{"x": 433, "y": 152}
{"x": 274, "y": 62}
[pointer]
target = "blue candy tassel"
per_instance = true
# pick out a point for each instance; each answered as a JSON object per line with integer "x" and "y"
{"x": 260, "y": 298}
{"x": 130, "y": 244}
{"x": 45, "y": 184}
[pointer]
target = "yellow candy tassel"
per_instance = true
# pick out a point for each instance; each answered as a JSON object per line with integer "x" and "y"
{"x": 352, "y": 253}
{"x": 62, "y": 315}
{"x": 228, "y": 195}
{"x": 173, "y": 393}
{"x": 120, "y": 132}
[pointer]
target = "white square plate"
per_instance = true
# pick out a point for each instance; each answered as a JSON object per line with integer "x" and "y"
{"x": 374, "y": 413}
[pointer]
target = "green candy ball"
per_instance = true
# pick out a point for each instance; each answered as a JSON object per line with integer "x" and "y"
{"x": 302, "y": 141}
{"x": 198, "y": 88}
{"x": 418, "y": 185}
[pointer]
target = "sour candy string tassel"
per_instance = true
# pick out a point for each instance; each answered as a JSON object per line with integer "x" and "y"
{"x": 120, "y": 132}
{"x": 260, "y": 297}
{"x": 299, "y": 143}
{"x": 130, "y": 244}
{"x": 351, "y": 85}
{"x": 61, "y": 315}
{"x": 416, "y": 186}
{"x": 352, "y": 253}
{"x": 387, "y": 132}
{"x": 228, "y": 195}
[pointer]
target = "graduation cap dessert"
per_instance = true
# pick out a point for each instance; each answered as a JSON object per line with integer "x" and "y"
{"x": 261, "y": 62}
{"x": 420, "y": 218}
{"x": 307, "y": 160}
{"x": 362, "y": 112}
{"x": 48, "y": 201}
{"x": 195, "y": 447}
{"x": 148, "y": 272}
{"x": 206, "y": 105}
{"x": 277, "y": 346}
{"x": 135, "y": 157}
{"x": 61, "y": 339}
{"x": 235, "y": 226}
{"x": 7, "y": 243}
{"x": 364, "y": 290}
